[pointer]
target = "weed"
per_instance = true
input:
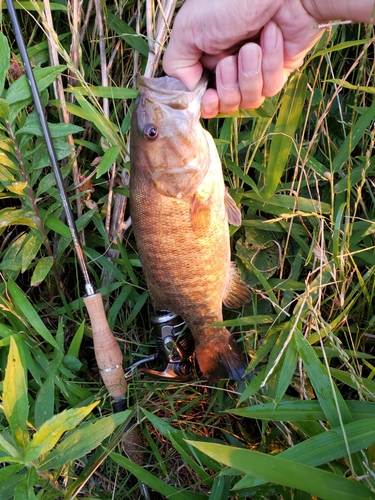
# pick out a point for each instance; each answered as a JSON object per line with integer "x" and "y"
{"x": 302, "y": 168}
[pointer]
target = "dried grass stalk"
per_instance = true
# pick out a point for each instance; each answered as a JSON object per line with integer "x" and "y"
{"x": 53, "y": 45}
{"x": 158, "y": 25}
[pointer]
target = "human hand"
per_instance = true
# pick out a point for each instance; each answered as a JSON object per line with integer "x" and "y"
{"x": 252, "y": 46}
{"x": 218, "y": 38}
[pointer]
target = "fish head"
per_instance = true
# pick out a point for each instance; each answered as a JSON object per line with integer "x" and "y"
{"x": 167, "y": 142}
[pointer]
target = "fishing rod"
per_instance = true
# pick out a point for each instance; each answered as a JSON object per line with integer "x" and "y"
{"x": 175, "y": 346}
{"x": 107, "y": 351}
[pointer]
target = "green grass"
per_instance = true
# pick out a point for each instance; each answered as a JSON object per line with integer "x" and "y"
{"x": 302, "y": 168}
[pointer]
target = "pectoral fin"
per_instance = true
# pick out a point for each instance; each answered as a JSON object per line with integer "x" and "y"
{"x": 200, "y": 215}
{"x": 233, "y": 212}
{"x": 237, "y": 292}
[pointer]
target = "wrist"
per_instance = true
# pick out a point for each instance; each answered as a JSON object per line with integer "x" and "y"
{"x": 344, "y": 10}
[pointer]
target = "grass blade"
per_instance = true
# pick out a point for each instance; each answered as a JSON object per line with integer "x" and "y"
{"x": 356, "y": 134}
{"x": 287, "y": 370}
{"x": 167, "y": 490}
{"x": 286, "y": 125}
{"x": 329, "y": 397}
{"x": 325, "y": 447}
{"x": 4, "y": 60}
{"x": 274, "y": 469}
{"x": 30, "y": 313}
{"x": 297, "y": 410}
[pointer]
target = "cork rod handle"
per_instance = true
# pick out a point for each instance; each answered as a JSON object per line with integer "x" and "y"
{"x": 107, "y": 351}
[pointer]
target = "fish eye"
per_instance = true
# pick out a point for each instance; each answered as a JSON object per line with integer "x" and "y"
{"x": 150, "y": 132}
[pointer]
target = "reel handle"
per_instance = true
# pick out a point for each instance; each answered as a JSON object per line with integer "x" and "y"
{"x": 173, "y": 372}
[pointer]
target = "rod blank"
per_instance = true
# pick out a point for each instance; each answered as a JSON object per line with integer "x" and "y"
{"x": 50, "y": 148}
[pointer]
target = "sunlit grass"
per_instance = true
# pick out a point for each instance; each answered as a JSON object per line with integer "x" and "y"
{"x": 302, "y": 169}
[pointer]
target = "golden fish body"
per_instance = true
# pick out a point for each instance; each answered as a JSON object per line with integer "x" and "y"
{"x": 179, "y": 210}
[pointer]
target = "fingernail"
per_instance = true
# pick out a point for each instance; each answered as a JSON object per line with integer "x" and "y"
{"x": 210, "y": 104}
{"x": 228, "y": 72}
{"x": 249, "y": 59}
{"x": 270, "y": 38}
{"x": 209, "y": 111}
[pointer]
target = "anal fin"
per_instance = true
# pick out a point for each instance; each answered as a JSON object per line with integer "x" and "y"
{"x": 222, "y": 359}
{"x": 237, "y": 292}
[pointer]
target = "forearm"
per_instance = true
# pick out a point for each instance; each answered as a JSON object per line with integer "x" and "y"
{"x": 354, "y": 10}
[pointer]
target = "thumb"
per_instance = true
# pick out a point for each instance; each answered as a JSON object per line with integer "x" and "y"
{"x": 181, "y": 60}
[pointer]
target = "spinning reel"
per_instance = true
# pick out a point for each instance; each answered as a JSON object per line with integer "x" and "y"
{"x": 174, "y": 360}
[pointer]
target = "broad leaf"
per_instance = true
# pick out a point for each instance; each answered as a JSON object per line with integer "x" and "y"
{"x": 9, "y": 485}
{"x": 109, "y": 157}
{"x": 20, "y": 90}
{"x": 45, "y": 401}
{"x": 56, "y": 129}
{"x": 51, "y": 431}
{"x": 41, "y": 270}
{"x": 15, "y": 400}
{"x": 128, "y": 34}
{"x": 83, "y": 439}
{"x": 4, "y": 108}
{"x": 25, "y": 487}
{"x": 30, "y": 249}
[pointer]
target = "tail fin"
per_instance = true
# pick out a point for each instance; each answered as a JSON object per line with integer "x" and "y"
{"x": 221, "y": 357}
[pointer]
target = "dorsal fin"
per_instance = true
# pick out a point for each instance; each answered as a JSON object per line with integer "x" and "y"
{"x": 237, "y": 293}
{"x": 233, "y": 212}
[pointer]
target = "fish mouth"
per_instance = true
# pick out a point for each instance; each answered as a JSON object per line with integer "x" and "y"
{"x": 162, "y": 85}
{"x": 171, "y": 91}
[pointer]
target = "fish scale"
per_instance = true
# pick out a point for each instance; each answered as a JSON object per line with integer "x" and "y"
{"x": 180, "y": 209}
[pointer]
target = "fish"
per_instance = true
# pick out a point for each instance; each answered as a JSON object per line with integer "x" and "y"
{"x": 180, "y": 210}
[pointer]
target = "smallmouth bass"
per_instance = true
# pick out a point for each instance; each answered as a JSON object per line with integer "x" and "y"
{"x": 180, "y": 211}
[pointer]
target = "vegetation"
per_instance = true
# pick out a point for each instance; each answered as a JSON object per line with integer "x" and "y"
{"x": 302, "y": 168}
